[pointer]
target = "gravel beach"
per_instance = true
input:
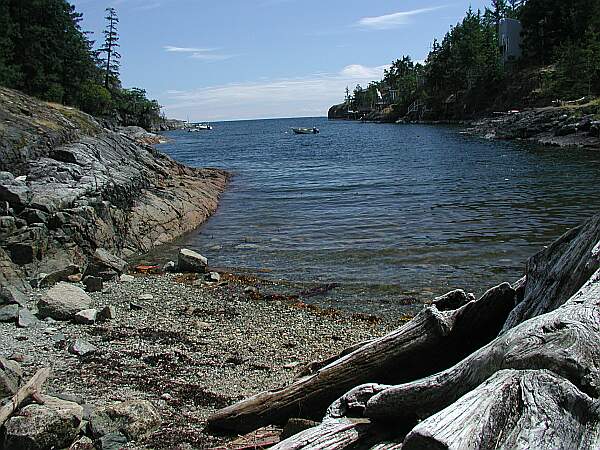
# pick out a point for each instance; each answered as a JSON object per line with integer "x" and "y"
{"x": 187, "y": 347}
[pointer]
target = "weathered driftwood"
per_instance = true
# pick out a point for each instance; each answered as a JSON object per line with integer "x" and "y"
{"x": 514, "y": 409}
{"x": 29, "y": 389}
{"x": 432, "y": 341}
{"x": 558, "y": 271}
{"x": 563, "y": 344}
{"x": 335, "y": 433}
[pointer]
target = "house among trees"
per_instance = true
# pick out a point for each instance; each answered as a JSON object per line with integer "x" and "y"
{"x": 511, "y": 40}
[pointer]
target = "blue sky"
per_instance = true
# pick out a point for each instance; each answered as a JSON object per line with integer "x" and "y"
{"x": 244, "y": 59}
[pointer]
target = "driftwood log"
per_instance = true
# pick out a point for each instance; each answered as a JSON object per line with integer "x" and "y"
{"x": 532, "y": 380}
{"x": 536, "y": 384}
{"x": 430, "y": 342}
{"x": 29, "y": 389}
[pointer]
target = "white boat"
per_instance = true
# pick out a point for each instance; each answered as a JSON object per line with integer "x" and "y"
{"x": 199, "y": 127}
{"x": 313, "y": 130}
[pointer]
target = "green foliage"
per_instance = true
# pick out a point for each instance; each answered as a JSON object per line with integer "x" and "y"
{"x": 45, "y": 53}
{"x": 95, "y": 99}
{"x": 134, "y": 108}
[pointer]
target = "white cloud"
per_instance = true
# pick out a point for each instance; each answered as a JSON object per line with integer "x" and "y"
{"x": 394, "y": 20}
{"x": 171, "y": 48}
{"x": 289, "y": 97}
{"x": 202, "y": 54}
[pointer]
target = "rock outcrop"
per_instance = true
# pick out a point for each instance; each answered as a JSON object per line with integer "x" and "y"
{"x": 68, "y": 187}
{"x": 558, "y": 126}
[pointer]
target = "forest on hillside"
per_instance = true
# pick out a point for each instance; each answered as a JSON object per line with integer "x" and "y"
{"x": 464, "y": 74}
{"x": 44, "y": 52}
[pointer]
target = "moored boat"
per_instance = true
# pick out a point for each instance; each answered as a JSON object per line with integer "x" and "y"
{"x": 313, "y": 130}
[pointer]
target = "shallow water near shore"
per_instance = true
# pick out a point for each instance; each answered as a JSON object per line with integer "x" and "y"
{"x": 395, "y": 214}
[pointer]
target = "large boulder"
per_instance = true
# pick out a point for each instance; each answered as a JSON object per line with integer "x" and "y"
{"x": 10, "y": 295}
{"x": 55, "y": 424}
{"x": 106, "y": 265}
{"x": 17, "y": 195}
{"x": 191, "y": 261}
{"x": 63, "y": 301}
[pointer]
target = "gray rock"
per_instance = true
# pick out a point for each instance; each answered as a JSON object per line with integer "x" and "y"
{"x": 61, "y": 274}
{"x": 134, "y": 418}
{"x": 55, "y": 424}
{"x": 146, "y": 297}
{"x": 86, "y": 317}
{"x": 26, "y": 318}
{"x": 63, "y": 301}
{"x": 103, "y": 260}
{"x": 11, "y": 295}
{"x": 83, "y": 443}
{"x": 59, "y": 340}
{"x": 6, "y": 177}
{"x": 106, "y": 274}
{"x": 93, "y": 284}
{"x": 32, "y": 216}
{"x": 10, "y": 377}
{"x": 17, "y": 195}
{"x": 107, "y": 313}
{"x": 9, "y": 313}
{"x": 126, "y": 278}
{"x": 111, "y": 441}
{"x": 135, "y": 306}
{"x": 190, "y": 261}
{"x": 100, "y": 424}
{"x": 81, "y": 347}
{"x": 213, "y": 277}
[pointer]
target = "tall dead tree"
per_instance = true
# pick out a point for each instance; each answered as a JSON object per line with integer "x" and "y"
{"x": 111, "y": 60}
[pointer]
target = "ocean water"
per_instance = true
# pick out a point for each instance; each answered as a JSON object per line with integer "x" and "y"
{"x": 393, "y": 214}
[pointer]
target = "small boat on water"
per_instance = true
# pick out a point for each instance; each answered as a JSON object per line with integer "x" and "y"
{"x": 199, "y": 127}
{"x": 313, "y": 130}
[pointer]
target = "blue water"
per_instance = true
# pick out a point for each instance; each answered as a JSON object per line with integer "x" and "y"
{"x": 392, "y": 213}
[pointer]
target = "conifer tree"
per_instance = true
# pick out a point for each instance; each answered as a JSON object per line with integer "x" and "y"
{"x": 111, "y": 61}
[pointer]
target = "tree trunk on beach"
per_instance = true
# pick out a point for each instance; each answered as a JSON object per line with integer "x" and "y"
{"x": 537, "y": 384}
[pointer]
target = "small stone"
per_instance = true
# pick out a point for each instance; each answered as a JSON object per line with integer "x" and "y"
{"x": 9, "y": 313}
{"x": 167, "y": 397}
{"x": 59, "y": 339}
{"x": 20, "y": 358}
{"x": 75, "y": 278}
{"x": 93, "y": 284}
{"x": 292, "y": 365}
{"x": 203, "y": 326}
{"x": 107, "y": 313}
{"x": 213, "y": 277}
{"x": 135, "y": 306}
{"x": 126, "y": 278}
{"x": 26, "y": 318}
{"x": 146, "y": 297}
{"x": 170, "y": 267}
{"x": 251, "y": 290}
{"x": 82, "y": 348}
{"x": 135, "y": 418}
{"x": 86, "y": 317}
{"x": 190, "y": 261}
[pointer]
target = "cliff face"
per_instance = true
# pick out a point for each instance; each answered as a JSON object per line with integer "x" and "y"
{"x": 69, "y": 186}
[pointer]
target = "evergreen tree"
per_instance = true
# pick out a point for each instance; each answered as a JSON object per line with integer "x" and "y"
{"x": 111, "y": 61}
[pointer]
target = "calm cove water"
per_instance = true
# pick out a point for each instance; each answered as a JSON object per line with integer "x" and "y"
{"x": 390, "y": 212}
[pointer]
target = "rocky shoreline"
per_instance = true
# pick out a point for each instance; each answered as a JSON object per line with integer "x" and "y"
{"x": 572, "y": 125}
